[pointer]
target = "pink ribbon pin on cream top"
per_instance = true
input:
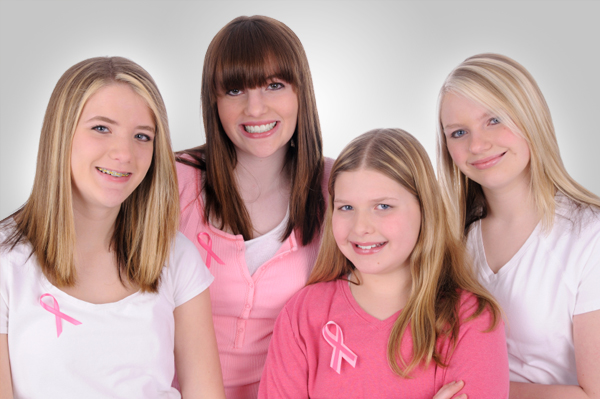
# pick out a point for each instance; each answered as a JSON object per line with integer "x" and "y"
{"x": 58, "y": 315}
{"x": 340, "y": 350}
{"x": 208, "y": 246}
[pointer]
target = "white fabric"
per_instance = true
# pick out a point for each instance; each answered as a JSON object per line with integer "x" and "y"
{"x": 121, "y": 350}
{"x": 551, "y": 278}
{"x": 261, "y": 249}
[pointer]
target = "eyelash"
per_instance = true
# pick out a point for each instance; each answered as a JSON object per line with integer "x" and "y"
{"x": 99, "y": 127}
{"x": 491, "y": 121}
{"x": 145, "y": 136}
{"x": 270, "y": 86}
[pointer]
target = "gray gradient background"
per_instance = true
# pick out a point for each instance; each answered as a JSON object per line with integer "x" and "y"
{"x": 374, "y": 64}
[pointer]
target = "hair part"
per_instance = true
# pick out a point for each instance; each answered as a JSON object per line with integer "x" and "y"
{"x": 147, "y": 221}
{"x": 440, "y": 267}
{"x": 508, "y": 90}
{"x": 246, "y": 53}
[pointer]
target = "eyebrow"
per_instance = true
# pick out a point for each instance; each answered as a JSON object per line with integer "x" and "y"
{"x": 377, "y": 200}
{"x": 108, "y": 120}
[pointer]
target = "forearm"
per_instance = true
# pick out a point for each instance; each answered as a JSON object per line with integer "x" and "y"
{"x": 521, "y": 390}
{"x": 5, "y": 375}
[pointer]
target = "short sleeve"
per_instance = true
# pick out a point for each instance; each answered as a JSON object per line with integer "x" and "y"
{"x": 3, "y": 296}
{"x": 285, "y": 374}
{"x": 189, "y": 274}
{"x": 480, "y": 358}
{"x": 588, "y": 297}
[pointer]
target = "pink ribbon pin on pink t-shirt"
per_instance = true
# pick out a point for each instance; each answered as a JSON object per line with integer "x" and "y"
{"x": 57, "y": 314}
{"x": 340, "y": 350}
{"x": 208, "y": 246}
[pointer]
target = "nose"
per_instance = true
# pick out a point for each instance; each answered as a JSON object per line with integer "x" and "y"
{"x": 363, "y": 224}
{"x": 479, "y": 142}
{"x": 121, "y": 149}
{"x": 255, "y": 104}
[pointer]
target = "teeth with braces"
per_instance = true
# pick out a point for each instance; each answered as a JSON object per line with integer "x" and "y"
{"x": 113, "y": 173}
{"x": 370, "y": 246}
{"x": 260, "y": 128}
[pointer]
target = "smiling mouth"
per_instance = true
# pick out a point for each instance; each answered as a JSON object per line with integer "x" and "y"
{"x": 259, "y": 128}
{"x": 112, "y": 172}
{"x": 369, "y": 246}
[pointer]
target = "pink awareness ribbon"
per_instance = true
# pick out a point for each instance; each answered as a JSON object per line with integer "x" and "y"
{"x": 57, "y": 314}
{"x": 208, "y": 246}
{"x": 340, "y": 350}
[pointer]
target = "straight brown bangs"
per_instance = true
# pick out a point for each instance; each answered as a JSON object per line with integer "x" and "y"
{"x": 250, "y": 56}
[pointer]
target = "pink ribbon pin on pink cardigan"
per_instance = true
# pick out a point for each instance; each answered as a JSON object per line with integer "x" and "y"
{"x": 340, "y": 350}
{"x": 208, "y": 246}
{"x": 57, "y": 314}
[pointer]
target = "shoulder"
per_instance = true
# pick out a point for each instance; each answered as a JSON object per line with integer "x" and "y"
{"x": 572, "y": 217}
{"x": 189, "y": 180}
{"x": 314, "y": 297}
{"x": 183, "y": 251}
{"x": 468, "y": 306}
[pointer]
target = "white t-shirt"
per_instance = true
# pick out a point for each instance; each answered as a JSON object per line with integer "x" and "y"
{"x": 120, "y": 350}
{"x": 261, "y": 249}
{"x": 550, "y": 279}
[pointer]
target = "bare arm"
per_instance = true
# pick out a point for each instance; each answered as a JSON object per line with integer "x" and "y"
{"x": 586, "y": 336}
{"x": 5, "y": 377}
{"x": 196, "y": 354}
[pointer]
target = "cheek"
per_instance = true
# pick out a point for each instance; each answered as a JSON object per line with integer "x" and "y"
{"x": 339, "y": 226}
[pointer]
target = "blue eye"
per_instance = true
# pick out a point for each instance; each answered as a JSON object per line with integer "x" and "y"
{"x": 494, "y": 121}
{"x": 383, "y": 206}
{"x": 100, "y": 129}
{"x": 143, "y": 137}
{"x": 457, "y": 133}
{"x": 345, "y": 208}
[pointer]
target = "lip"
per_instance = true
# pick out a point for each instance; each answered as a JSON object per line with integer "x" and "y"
{"x": 369, "y": 251}
{"x": 488, "y": 162}
{"x": 258, "y": 123}
{"x": 116, "y": 179}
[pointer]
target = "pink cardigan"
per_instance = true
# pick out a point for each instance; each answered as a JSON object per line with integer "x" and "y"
{"x": 299, "y": 361}
{"x": 244, "y": 307}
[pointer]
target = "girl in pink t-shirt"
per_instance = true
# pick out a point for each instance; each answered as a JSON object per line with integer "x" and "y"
{"x": 392, "y": 307}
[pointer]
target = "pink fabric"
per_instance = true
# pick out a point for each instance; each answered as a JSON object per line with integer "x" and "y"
{"x": 244, "y": 307}
{"x": 298, "y": 364}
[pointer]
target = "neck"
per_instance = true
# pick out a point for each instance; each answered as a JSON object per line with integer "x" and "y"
{"x": 513, "y": 203}
{"x": 256, "y": 176}
{"x": 382, "y": 295}
{"x": 93, "y": 229}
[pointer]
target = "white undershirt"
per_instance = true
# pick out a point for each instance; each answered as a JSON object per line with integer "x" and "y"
{"x": 261, "y": 249}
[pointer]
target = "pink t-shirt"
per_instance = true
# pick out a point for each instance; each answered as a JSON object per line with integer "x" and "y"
{"x": 298, "y": 364}
{"x": 244, "y": 306}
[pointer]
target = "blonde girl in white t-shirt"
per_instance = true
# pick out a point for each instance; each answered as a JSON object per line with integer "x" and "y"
{"x": 99, "y": 295}
{"x": 533, "y": 231}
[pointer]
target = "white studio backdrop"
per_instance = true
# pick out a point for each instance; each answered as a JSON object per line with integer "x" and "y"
{"x": 374, "y": 64}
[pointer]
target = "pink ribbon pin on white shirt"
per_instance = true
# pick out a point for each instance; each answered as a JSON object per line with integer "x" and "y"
{"x": 340, "y": 350}
{"x": 57, "y": 314}
{"x": 208, "y": 246}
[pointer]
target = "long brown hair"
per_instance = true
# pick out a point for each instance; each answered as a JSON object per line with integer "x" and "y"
{"x": 508, "y": 90}
{"x": 244, "y": 54}
{"x": 440, "y": 267}
{"x": 147, "y": 221}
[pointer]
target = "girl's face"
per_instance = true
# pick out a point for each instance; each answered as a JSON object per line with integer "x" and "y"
{"x": 376, "y": 222}
{"x": 112, "y": 147}
{"x": 482, "y": 146}
{"x": 261, "y": 121}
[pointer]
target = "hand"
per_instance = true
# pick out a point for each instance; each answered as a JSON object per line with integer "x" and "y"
{"x": 448, "y": 390}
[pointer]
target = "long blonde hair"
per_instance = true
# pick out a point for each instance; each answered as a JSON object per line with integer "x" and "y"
{"x": 147, "y": 221}
{"x": 507, "y": 90}
{"x": 440, "y": 268}
{"x": 244, "y": 53}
